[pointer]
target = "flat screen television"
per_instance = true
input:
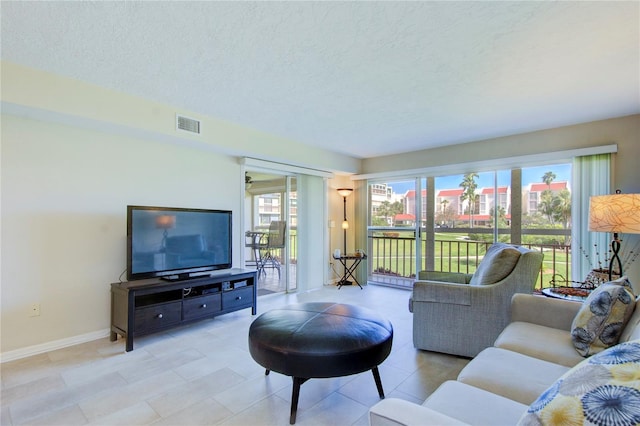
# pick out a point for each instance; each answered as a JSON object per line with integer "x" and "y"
{"x": 176, "y": 243}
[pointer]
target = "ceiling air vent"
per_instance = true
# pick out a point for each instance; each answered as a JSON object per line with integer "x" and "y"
{"x": 187, "y": 124}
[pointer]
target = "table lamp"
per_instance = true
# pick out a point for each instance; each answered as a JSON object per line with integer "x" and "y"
{"x": 165, "y": 222}
{"x": 617, "y": 213}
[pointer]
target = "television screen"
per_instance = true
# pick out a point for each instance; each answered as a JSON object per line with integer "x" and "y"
{"x": 176, "y": 242}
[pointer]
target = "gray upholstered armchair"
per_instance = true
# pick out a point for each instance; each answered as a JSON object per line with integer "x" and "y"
{"x": 462, "y": 314}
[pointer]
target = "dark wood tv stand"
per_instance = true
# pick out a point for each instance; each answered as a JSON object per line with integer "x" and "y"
{"x": 147, "y": 306}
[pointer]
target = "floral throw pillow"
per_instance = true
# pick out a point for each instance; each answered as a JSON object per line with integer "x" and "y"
{"x": 601, "y": 390}
{"x": 602, "y": 318}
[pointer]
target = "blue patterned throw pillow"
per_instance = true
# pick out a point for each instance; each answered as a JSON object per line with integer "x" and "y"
{"x": 602, "y": 318}
{"x": 601, "y": 390}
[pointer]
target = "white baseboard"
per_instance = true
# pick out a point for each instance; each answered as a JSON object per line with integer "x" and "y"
{"x": 51, "y": 346}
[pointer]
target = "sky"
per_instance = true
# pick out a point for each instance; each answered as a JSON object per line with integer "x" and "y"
{"x": 485, "y": 179}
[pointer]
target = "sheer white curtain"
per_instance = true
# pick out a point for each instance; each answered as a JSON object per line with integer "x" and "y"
{"x": 591, "y": 176}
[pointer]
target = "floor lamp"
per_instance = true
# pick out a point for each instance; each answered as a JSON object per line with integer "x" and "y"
{"x": 344, "y": 193}
{"x": 618, "y": 213}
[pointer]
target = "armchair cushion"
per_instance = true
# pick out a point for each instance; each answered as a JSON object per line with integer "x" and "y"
{"x": 449, "y": 277}
{"x": 498, "y": 262}
{"x": 602, "y": 389}
{"x": 602, "y": 318}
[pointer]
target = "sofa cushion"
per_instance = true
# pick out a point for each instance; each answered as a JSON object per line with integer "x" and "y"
{"x": 498, "y": 262}
{"x": 602, "y": 389}
{"x": 515, "y": 376}
{"x": 397, "y": 412}
{"x": 538, "y": 341}
{"x": 602, "y": 318}
{"x": 472, "y": 405}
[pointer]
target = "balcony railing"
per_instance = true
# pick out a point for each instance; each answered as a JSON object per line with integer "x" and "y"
{"x": 392, "y": 254}
{"x": 392, "y": 258}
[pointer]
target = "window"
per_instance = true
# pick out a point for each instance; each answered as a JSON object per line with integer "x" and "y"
{"x": 470, "y": 211}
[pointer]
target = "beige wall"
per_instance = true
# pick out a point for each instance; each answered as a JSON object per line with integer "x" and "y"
{"x": 64, "y": 197}
{"x": 623, "y": 131}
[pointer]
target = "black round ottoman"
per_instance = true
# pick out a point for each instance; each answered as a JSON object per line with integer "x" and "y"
{"x": 320, "y": 340}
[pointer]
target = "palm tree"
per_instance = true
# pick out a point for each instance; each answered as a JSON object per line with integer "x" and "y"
{"x": 444, "y": 203}
{"x": 548, "y": 177}
{"x": 469, "y": 194}
{"x": 547, "y": 205}
{"x": 443, "y": 209}
{"x": 562, "y": 209}
{"x": 547, "y": 200}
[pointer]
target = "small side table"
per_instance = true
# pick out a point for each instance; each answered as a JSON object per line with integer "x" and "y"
{"x": 350, "y": 263}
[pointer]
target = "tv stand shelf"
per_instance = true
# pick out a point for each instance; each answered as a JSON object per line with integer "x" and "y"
{"x": 152, "y": 305}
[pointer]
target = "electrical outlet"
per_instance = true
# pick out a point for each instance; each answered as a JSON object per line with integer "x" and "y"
{"x": 35, "y": 310}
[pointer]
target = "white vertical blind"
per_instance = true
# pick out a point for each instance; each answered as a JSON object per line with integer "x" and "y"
{"x": 591, "y": 176}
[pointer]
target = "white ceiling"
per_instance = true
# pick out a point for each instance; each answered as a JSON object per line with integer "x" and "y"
{"x": 361, "y": 78}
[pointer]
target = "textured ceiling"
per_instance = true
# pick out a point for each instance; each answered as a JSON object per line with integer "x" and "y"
{"x": 362, "y": 78}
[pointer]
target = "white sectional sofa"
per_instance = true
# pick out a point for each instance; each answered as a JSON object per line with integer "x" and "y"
{"x": 524, "y": 377}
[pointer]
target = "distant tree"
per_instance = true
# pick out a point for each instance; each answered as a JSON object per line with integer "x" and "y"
{"x": 546, "y": 205}
{"x": 389, "y": 210}
{"x": 379, "y": 221}
{"x": 446, "y": 215}
{"x": 562, "y": 208}
{"x": 469, "y": 186}
{"x": 549, "y": 177}
{"x": 502, "y": 216}
{"x": 384, "y": 210}
{"x": 556, "y": 207}
{"x": 547, "y": 199}
{"x": 443, "y": 205}
{"x": 397, "y": 207}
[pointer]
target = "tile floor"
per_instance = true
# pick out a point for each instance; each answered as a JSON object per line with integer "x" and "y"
{"x": 202, "y": 374}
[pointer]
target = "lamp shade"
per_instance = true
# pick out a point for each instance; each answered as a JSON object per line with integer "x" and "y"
{"x": 165, "y": 221}
{"x": 344, "y": 192}
{"x": 615, "y": 213}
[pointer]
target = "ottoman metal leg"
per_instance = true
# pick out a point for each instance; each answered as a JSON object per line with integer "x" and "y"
{"x": 376, "y": 377}
{"x": 295, "y": 395}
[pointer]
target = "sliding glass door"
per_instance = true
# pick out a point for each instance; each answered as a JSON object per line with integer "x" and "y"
{"x": 396, "y": 212}
{"x": 446, "y": 223}
{"x": 271, "y": 230}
